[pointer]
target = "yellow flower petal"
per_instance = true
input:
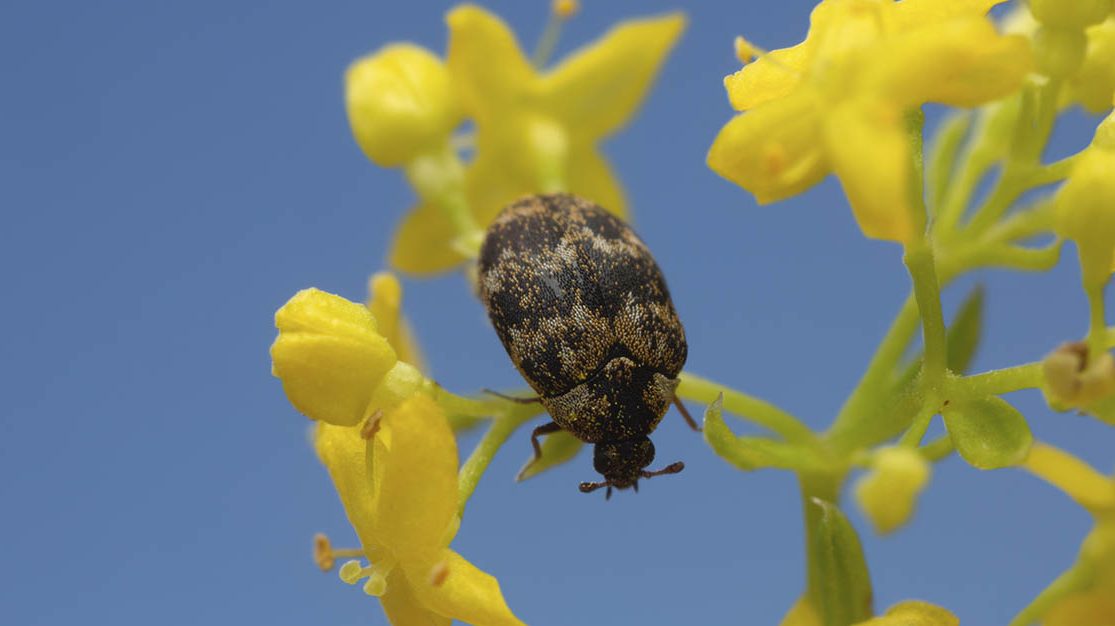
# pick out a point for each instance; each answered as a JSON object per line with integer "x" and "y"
{"x": 772, "y": 76}
{"x": 914, "y": 613}
{"x": 913, "y": 14}
{"x": 403, "y": 608}
{"x": 1095, "y": 607}
{"x": 870, "y": 154}
{"x": 889, "y": 492}
{"x": 385, "y": 301}
{"x": 1085, "y": 211}
{"x": 773, "y": 151}
{"x": 344, "y": 453}
{"x": 329, "y": 356}
{"x": 465, "y": 593}
{"x": 621, "y": 64}
{"x": 400, "y": 103}
{"x": 1077, "y": 479}
{"x": 590, "y": 176}
{"x": 423, "y": 243}
{"x": 414, "y": 478}
{"x": 961, "y": 62}
{"x": 485, "y": 60}
{"x": 491, "y": 186}
{"x": 1093, "y": 85}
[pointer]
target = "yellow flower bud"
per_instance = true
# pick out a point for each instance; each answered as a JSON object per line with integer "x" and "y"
{"x": 1085, "y": 206}
{"x": 1070, "y": 13}
{"x": 1094, "y": 83}
{"x": 401, "y": 103}
{"x": 329, "y": 356}
{"x": 1059, "y": 51}
{"x": 1072, "y": 379}
{"x": 889, "y": 492}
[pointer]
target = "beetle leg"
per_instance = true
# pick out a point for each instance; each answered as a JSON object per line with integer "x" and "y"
{"x": 512, "y": 398}
{"x": 672, "y": 468}
{"x": 590, "y": 487}
{"x": 685, "y": 413}
{"x": 544, "y": 429}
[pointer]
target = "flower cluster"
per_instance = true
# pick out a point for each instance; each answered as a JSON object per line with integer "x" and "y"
{"x": 536, "y": 130}
{"x": 847, "y": 100}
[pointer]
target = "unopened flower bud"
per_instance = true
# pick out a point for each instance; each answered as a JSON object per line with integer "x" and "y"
{"x": 1070, "y": 13}
{"x": 401, "y": 103}
{"x": 329, "y": 356}
{"x": 1059, "y": 51}
{"x": 888, "y": 493}
{"x": 1074, "y": 379}
{"x": 1094, "y": 83}
{"x": 1085, "y": 206}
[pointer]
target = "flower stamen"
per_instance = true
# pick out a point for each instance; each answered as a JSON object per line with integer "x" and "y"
{"x": 439, "y": 573}
{"x": 371, "y": 425}
{"x": 325, "y": 556}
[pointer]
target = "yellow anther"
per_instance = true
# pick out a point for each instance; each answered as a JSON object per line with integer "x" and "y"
{"x": 353, "y": 571}
{"x": 774, "y": 159}
{"x": 566, "y": 9}
{"x": 323, "y": 552}
{"x": 439, "y": 573}
{"x": 376, "y": 584}
{"x": 371, "y": 425}
{"x": 746, "y": 52}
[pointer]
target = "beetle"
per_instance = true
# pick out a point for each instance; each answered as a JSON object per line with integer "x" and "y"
{"x": 583, "y": 311}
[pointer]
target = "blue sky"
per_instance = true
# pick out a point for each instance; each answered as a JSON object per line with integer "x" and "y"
{"x": 173, "y": 172}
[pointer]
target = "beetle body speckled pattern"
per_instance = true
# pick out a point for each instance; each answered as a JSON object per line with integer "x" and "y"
{"x": 584, "y": 313}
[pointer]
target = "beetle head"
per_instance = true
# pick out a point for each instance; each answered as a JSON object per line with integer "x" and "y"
{"x": 622, "y": 463}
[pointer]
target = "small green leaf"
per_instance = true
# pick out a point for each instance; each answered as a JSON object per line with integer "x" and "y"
{"x": 842, "y": 589}
{"x": 752, "y": 453}
{"x": 557, "y": 448}
{"x": 964, "y": 332}
{"x": 988, "y": 432}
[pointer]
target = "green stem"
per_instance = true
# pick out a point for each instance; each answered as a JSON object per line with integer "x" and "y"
{"x": 916, "y": 432}
{"x": 959, "y": 195}
{"x": 748, "y": 407}
{"x": 469, "y": 407}
{"x": 996, "y": 382}
{"x": 477, "y": 463}
{"x": 937, "y": 449}
{"x": 1072, "y": 579}
{"x": 439, "y": 179}
{"x": 1097, "y": 328}
{"x": 927, "y": 291}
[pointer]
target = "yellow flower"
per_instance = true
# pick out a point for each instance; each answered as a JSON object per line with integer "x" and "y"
{"x": 334, "y": 364}
{"x": 837, "y": 102}
{"x": 889, "y": 492}
{"x": 1085, "y": 206}
{"x": 536, "y": 131}
{"x": 1075, "y": 14}
{"x": 1088, "y": 596}
{"x": 400, "y": 104}
{"x": 1093, "y": 85}
{"x": 914, "y": 613}
{"x": 399, "y": 490}
{"x": 385, "y": 301}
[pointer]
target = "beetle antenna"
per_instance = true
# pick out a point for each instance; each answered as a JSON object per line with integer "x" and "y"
{"x": 591, "y": 487}
{"x": 672, "y": 468}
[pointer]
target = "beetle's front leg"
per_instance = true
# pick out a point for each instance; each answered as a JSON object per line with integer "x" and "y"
{"x": 544, "y": 429}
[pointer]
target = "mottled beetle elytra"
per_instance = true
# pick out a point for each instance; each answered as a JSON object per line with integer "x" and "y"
{"x": 584, "y": 313}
